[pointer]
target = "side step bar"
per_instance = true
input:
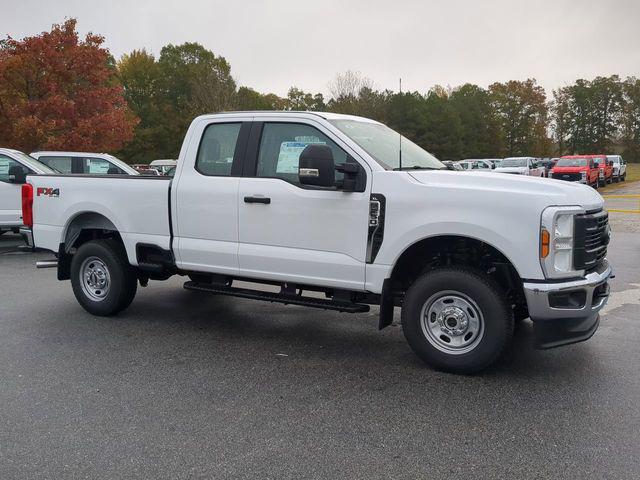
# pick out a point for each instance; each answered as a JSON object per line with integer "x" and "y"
{"x": 278, "y": 297}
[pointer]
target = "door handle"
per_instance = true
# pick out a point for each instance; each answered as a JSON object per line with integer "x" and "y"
{"x": 265, "y": 200}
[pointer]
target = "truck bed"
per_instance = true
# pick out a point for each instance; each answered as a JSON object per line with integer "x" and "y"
{"x": 138, "y": 206}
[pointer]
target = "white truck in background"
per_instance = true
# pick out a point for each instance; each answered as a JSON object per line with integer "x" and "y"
{"x": 522, "y": 166}
{"x": 12, "y": 162}
{"x": 321, "y": 202}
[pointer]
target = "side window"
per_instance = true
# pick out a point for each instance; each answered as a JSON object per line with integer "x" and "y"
{"x": 217, "y": 148}
{"x": 99, "y": 166}
{"x": 281, "y": 145}
{"x": 61, "y": 164}
{"x": 5, "y": 164}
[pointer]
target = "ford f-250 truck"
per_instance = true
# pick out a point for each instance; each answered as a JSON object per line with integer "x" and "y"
{"x": 338, "y": 205}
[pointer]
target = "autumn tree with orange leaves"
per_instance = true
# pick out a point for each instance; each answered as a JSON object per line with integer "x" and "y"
{"x": 59, "y": 92}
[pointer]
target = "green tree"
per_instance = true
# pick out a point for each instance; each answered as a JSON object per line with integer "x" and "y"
{"x": 480, "y": 133}
{"x": 194, "y": 81}
{"x": 442, "y": 131}
{"x": 522, "y": 111}
{"x": 140, "y": 77}
{"x": 631, "y": 119}
{"x": 302, "y": 101}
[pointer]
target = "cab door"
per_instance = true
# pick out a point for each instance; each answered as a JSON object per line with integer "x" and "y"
{"x": 298, "y": 233}
{"x": 10, "y": 194}
{"x": 205, "y": 196}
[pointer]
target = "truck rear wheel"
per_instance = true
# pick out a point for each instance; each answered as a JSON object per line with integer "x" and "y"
{"x": 103, "y": 281}
{"x": 457, "y": 320}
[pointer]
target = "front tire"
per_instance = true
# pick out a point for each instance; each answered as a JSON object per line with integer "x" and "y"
{"x": 103, "y": 281}
{"x": 457, "y": 320}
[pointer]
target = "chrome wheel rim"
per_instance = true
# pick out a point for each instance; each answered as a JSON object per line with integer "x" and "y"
{"x": 452, "y": 322}
{"x": 95, "y": 279}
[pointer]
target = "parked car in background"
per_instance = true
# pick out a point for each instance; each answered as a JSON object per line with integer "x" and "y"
{"x": 619, "y": 168}
{"x": 12, "y": 163}
{"x": 548, "y": 164}
{"x": 521, "y": 166}
{"x": 414, "y": 235}
{"x": 162, "y": 166}
{"x": 472, "y": 164}
{"x": 84, "y": 162}
{"x": 576, "y": 168}
{"x": 605, "y": 172}
{"x": 450, "y": 165}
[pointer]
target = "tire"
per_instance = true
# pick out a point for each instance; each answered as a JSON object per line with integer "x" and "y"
{"x": 475, "y": 303}
{"x": 617, "y": 179}
{"x": 602, "y": 183}
{"x": 624, "y": 177}
{"x": 595, "y": 185}
{"x": 107, "y": 264}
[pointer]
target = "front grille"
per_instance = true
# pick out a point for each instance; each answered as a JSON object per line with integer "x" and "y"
{"x": 571, "y": 177}
{"x": 591, "y": 239}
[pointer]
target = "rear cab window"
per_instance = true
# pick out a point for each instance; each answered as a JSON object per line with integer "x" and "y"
{"x": 61, "y": 164}
{"x": 217, "y": 149}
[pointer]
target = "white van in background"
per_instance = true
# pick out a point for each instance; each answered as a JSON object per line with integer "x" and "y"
{"x": 84, "y": 162}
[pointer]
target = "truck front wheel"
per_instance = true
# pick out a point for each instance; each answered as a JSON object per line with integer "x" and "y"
{"x": 103, "y": 281}
{"x": 457, "y": 320}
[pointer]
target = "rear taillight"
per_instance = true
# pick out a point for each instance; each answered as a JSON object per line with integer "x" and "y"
{"x": 27, "y": 204}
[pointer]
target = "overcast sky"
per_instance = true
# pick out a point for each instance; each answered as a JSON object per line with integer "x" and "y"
{"x": 272, "y": 45}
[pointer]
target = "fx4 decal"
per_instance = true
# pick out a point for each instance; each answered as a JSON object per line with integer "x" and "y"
{"x": 48, "y": 192}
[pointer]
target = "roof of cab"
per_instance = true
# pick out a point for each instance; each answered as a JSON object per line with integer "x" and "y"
{"x": 290, "y": 113}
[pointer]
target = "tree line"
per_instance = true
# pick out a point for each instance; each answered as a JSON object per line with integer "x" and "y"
{"x": 60, "y": 91}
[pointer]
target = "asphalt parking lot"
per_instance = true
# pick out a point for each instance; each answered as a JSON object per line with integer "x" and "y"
{"x": 186, "y": 385}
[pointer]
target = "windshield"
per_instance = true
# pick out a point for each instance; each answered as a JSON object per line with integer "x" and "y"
{"x": 572, "y": 162}
{"x": 34, "y": 164}
{"x": 383, "y": 144}
{"x": 514, "y": 162}
{"x": 128, "y": 169}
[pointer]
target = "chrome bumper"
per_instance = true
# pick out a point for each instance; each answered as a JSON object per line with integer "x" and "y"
{"x": 555, "y": 326}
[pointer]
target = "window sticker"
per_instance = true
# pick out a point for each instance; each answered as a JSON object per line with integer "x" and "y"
{"x": 289, "y": 155}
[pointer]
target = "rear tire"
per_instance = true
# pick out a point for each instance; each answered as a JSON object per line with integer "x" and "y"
{"x": 103, "y": 281}
{"x": 624, "y": 177}
{"x": 457, "y": 320}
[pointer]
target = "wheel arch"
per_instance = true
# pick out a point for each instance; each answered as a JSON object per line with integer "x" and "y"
{"x": 456, "y": 250}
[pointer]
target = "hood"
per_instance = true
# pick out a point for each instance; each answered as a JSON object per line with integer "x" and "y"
{"x": 518, "y": 170}
{"x": 557, "y": 169}
{"x": 506, "y": 188}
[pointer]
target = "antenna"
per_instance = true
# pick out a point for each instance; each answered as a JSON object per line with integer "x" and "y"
{"x": 400, "y": 144}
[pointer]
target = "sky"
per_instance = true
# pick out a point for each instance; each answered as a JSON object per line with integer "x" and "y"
{"x": 273, "y": 45}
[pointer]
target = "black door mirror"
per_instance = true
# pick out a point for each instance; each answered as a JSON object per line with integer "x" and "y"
{"x": 611, "y": 163}
{"x": 316, "y": 166}
{"x": 17, "y": 175}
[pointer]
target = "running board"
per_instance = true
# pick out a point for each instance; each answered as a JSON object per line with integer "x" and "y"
{"x": 278, "y": 297}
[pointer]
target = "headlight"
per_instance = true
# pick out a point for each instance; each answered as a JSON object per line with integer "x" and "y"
{"x": 601, "y": 173}
{"x": 583, "y": 175}
{"x": 556, "y": 242}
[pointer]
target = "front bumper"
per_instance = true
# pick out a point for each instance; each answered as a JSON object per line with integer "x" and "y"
{"x": 567, "y": 312}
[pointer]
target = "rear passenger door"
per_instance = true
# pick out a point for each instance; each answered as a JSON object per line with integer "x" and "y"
{"x": 206, "y": 197}
{"x": 300, "y": 233}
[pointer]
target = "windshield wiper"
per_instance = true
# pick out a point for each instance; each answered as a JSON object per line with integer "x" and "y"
{"x": 418, "y": 167}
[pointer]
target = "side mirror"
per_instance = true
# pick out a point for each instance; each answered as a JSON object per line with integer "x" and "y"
{"x": 17, "y": 175}
{"x": 316, "y": 166}
{"x": 611, "y": 163}
{"x": 596, "y": 164}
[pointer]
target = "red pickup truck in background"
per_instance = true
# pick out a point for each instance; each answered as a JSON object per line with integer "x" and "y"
{"x": 606, "y": 169}
{"x": 577, "y": 168}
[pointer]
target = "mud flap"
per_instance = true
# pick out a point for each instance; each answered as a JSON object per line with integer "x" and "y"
{"x": 386, "y": 305}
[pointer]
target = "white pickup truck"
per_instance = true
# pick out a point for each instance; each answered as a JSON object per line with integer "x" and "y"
{"x": 327, "y": 204}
